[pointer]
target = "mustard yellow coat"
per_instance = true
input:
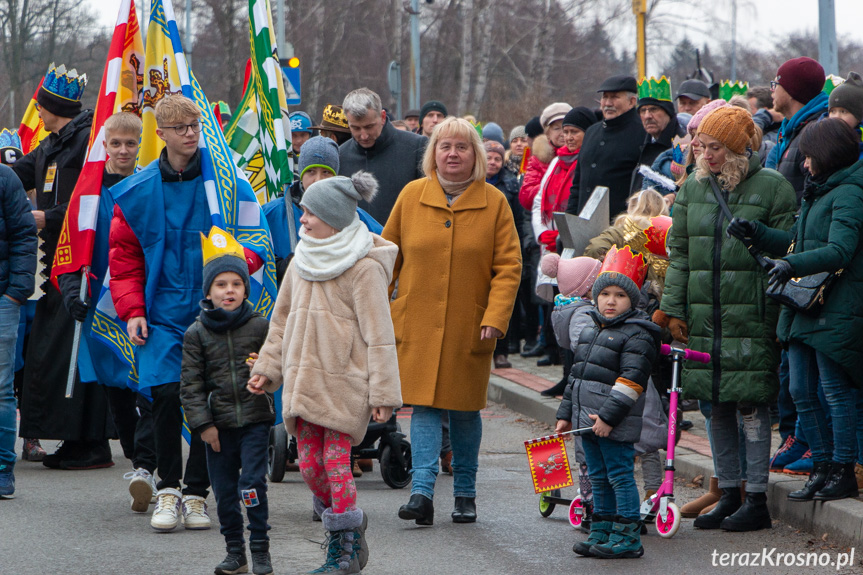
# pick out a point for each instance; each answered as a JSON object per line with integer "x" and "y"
{"x": 458, "y": 269}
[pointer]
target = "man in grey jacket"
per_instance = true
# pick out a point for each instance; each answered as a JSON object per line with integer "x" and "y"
{"x": 393, "y": 156}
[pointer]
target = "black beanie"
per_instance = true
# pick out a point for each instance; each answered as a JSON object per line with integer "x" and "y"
{"x": 226, "y": 263}
{"x": 432, "y": 105}
{"x": 665, "y": 105}
{"x": 580, "y": 117}
{"x": 57, "y": 105}
{"x": 533, "y": 128}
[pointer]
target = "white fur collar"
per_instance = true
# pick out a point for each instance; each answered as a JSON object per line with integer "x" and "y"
{"x": 321, "y": 260}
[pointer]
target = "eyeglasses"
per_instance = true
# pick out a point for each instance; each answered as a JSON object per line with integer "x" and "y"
{"x": 183, "y": 128}
{"x": 773, "y": 85}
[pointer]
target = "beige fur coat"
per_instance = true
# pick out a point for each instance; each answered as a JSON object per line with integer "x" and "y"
{"x": 331, "y": 344}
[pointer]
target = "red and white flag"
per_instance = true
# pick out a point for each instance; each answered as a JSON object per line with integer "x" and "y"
{"x": 120, "y": 91}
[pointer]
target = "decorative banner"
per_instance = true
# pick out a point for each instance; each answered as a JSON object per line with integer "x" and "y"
{"x": 120, "y": 92}
{"x": 549, "y": 465}
{"x": 32, "y": 130}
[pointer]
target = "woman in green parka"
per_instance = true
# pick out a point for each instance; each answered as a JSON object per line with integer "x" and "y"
{"x": 715, "y": 300}
{"x": 824, "y": 349}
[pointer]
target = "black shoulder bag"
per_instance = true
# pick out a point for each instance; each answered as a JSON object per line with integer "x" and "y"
{"x": 805, "y": 294}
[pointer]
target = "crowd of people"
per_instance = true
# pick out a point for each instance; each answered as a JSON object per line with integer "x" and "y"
{"x": 415, "y": 254}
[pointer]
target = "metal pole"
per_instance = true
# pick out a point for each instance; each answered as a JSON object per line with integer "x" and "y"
{"x": 639, "y": 7}
{"x": 828, "y": 51}
{"x": 415, "y": 55}
{"x": 76, "y": 342}
{"x": 189, "y": 33}
{"x": 733, "y": 40}
{"x": 280, "y": 29}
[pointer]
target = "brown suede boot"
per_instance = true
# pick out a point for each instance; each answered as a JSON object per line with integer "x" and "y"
{"x": 710, "y": 507}
{"x": 709, "y": 499}
{"x": 858, "y": 471}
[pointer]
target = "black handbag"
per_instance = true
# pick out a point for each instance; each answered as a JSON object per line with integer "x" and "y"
{"x": 805, "y": 294}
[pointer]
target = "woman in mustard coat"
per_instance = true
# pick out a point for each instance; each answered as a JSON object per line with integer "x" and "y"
{"x": 457, "y": 274}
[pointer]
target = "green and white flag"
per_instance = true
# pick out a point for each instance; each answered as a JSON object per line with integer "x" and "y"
{"x": 259, "y": 134}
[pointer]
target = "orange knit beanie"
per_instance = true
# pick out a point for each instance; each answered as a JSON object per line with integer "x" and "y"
{"x": 732, "y": 126}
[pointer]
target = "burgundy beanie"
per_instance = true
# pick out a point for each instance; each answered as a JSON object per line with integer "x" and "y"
{"x": 802, "y": 78}
{"x": 575, "y": 276}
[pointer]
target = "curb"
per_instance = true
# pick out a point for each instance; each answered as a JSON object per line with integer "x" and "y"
{"x": 842, "y": 520}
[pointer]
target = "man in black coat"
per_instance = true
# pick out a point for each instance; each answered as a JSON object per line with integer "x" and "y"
{"x": 393, "y": 156}
{"x": 611, "y": 149}
{"x": 52, "y": 169}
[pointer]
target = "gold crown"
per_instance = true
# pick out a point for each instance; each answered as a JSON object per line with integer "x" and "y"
{"x": 220, "y": 243}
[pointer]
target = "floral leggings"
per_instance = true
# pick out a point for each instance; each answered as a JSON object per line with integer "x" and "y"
{"x": 325, "y": 462}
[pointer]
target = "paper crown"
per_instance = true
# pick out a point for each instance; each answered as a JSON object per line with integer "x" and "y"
{"x": 657, "y": 234}
{"x": 727, "y": 90}
{"x": 624, "y": 262}
{"x": 478, "y": 127}
{"x": 220, "y": 243}
{"x": 335, "y": 115}
{"x": 9, "y": 139}
{"x": 223, "y": 107}
{"x": 830, "y": 83}
{"x": 68, "y": 85}
{"x": 656, "y": 89}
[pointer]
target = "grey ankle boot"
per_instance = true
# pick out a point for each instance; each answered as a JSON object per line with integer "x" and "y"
{"x": 235, "y": 561}
{"x": 261, "y": 562}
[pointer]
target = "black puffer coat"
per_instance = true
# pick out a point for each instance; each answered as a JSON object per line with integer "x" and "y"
{"x": 608, "y": 352}
{"x": 214, "y": 371}
{"x": 17, "y": 239}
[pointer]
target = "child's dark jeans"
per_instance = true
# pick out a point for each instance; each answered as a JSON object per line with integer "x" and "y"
{"x": 611, "y": 466}
{"x": 244, "y": 448}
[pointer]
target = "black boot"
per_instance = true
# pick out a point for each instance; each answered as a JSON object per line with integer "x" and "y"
{"x": 234, "y": 561}
{"x": 728, "y": 503}
{"x": 419, "y": 508}
{"x": 535, "y": 350}
{"x": 68, "y": 450}
{"x": 817, "y": 480}
{"x": 841, "y": 484}
{"x": 556, "y": 389}
{"x": 261, "y": 562}
{"x": 752, "y": 515}
{"x": 465, "y": 510}
{"x": 91, "y": 455}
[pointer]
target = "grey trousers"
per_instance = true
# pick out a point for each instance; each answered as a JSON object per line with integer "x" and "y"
{"x": 725, "y": 431}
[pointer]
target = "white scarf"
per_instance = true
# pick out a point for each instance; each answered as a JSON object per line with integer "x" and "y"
{"x": 322, "y": 260}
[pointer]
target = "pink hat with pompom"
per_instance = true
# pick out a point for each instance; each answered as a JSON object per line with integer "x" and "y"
{"x": 575, "y": 276}
{"x": 698, "y": 116}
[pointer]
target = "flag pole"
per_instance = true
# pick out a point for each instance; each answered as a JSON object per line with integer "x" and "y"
{"x": 76, "y": 342}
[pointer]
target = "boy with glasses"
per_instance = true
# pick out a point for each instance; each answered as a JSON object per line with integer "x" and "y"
{"x": 156, "y": 276}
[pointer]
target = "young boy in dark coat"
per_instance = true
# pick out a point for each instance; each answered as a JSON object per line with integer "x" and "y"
{"x": 613, "y": 361}
{"x": 217, "y": 352}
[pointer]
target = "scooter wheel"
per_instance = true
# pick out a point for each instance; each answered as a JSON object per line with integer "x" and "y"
{"x": 576, "y": 511}
{"x": 546, "y": 507}
{"x": 277, "y": 452}
{"x": 671, "y": 524}
{"x": 392, "y": 471}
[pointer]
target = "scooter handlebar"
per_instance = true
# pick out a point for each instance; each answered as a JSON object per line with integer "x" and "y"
{"x": 688, "y": 354}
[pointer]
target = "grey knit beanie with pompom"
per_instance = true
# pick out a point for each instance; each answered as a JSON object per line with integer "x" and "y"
{"x": 334, "y": 200}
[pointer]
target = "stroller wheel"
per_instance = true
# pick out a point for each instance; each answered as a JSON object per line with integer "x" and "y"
{"x": 546, "y": 507}
{"x": 393, "y": 472}
{"x": 277, "y": 452}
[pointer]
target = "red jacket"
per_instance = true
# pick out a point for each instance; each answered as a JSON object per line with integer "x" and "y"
{"x": 128, "y": 275}
{"x": 542, "y": 155}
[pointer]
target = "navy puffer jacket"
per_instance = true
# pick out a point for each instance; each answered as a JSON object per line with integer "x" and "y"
{"x": 611, "y": 368}
{"x": 17, "y": 239}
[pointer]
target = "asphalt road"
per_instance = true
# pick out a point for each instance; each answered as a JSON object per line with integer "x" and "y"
{"x": 80, "y": 522}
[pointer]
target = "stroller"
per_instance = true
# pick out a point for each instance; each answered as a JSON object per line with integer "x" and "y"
{"x": 383, "y": 441}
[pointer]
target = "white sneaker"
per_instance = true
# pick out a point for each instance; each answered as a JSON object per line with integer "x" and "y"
{"x": 195, "y": 512}
{"x": 142, "y": 488}
{"x": 166, "y": 516}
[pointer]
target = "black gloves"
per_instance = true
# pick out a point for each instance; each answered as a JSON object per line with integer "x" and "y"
{"x": 740, "y": 228}
{"x": 70, "y": 287}
{"x": 781, "y": 271}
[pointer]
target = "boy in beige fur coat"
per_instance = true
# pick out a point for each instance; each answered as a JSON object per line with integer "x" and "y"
{"x": 331, "y": 344}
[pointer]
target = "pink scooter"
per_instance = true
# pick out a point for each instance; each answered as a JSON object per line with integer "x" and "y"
{"x": 661, "y": 506}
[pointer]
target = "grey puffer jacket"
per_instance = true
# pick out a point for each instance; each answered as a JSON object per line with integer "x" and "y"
{"x": 612, "y": 365}
{"x": 569, "y": 320}
{"x": 214, "y": 371}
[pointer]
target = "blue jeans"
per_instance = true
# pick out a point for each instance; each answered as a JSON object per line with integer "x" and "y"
{"x": 9, "y": 315}
{"x": 465, "y": 435}
{"x": 610, "y": 465}
{"x": 244, "y": 448}
{"x": 785, "y": 403}
{"x": 808, "y": 367}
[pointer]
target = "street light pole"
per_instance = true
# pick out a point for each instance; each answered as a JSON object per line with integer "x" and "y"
{"x": 828, "y": 51}
{"x": 415, "y": 55}
{"x": 639, "y": 8}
